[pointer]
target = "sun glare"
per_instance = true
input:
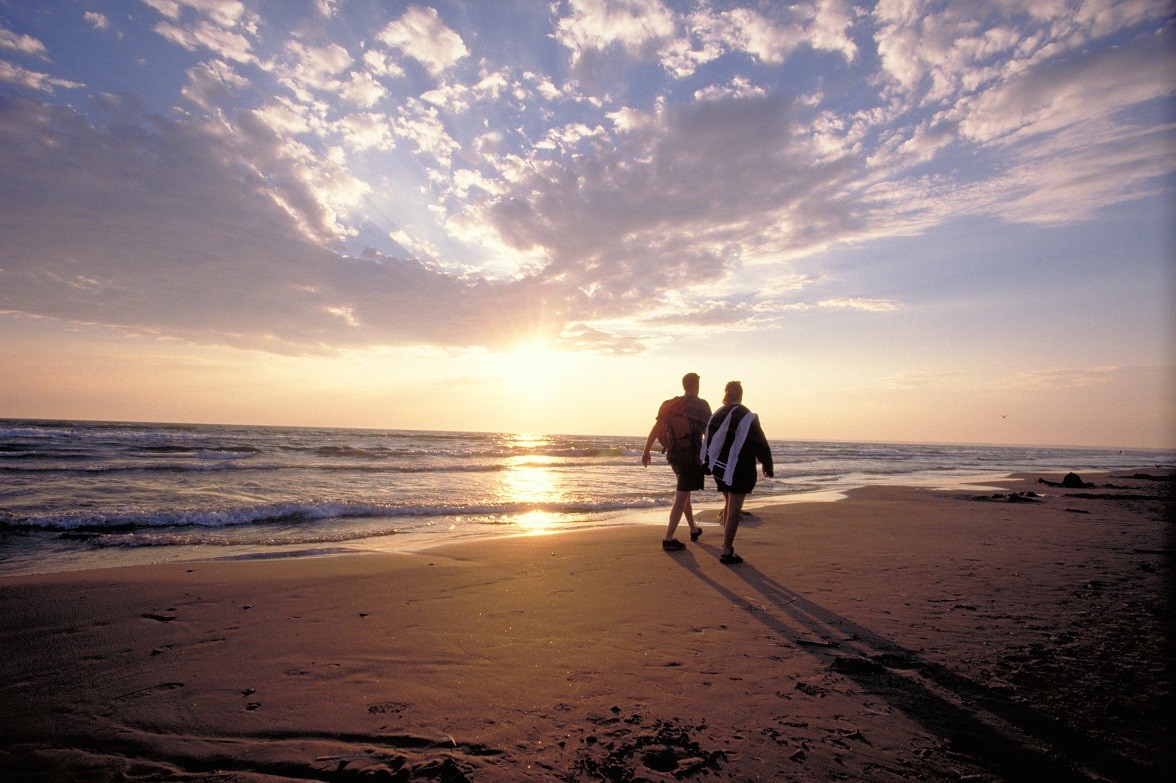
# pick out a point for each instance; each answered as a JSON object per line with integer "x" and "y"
{"x": 531, "y": 480}
{"x": 532, "y": 368}
{"x": 536, "y": 522}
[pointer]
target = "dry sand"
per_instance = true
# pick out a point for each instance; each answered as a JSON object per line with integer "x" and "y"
{"x": 899, "y": 634}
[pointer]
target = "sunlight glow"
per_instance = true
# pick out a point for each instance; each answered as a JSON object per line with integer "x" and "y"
{"x": 532, "y": 369}
{"x": 536, "y": 522}
{"x": 526, "y": 441}
{"x": 450, "y": 227}
{"x": 531, "y": 480}
{"x": 530, "y": 483}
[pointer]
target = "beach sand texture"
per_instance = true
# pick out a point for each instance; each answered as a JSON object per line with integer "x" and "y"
{"x": 901, "y": 634}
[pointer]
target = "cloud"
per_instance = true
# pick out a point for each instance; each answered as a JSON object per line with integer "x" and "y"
{"x": 594, "y": 26}
{"x": 221, "y": 26}
{"x": 224, "y": 43}
{"x": 169, "y": 234}
{"x": 682, "y": 198}
{"x": 1053, "y": 135}
{"x": 97, "y": 20}
{"x": 829, "y": 23}
{"x": 176, "y": 231}
{"x": 682, "y": 42}
{"x": 379, "y": 65}
{"x": 865, "y": 304}
{"x": 285, "y": 116}
{"x": 316, "y": 191}
{"x": 1063, "y": 93}
{"x": 421, "y": 35}
{"x": 367, "y": 131}
{"x": 1062, "y": 378}
{"x": 1079, "y": 173}
{"x": 25, "y": 44}
{"x": 739, "y": 87}
{"x": 936, "y": 51}
{"x": 764, "y": 307}
{"x": 224, "y": 13}
{"x": 628, "y": 217}
{"x": 748, "y": 31}
{"x": 213, "y": 83}
{"x": 727, "y": 314}
{"x": 1072, "y": 142}
{"x": 363, "y": 90}
{"x": 924, "y": 379}
{"x": 169, "y": 8}
{"x": 582, "y": 337}
{"x": 307, "y": 70}
{"x": 34, "y": 80}
{"x": 421, "y": 124}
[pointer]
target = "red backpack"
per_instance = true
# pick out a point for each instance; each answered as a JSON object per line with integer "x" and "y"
{"x": 676, "y": 435}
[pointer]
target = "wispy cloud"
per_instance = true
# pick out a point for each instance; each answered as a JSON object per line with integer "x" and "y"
{"x": 414, "y": 168}
{"x": 861, "y": 303}
{"x": 25, "y": 44}
{"x": 1061, "y": 378}
{"x": 924, "y": 379}
{"x": 33, "y": 80}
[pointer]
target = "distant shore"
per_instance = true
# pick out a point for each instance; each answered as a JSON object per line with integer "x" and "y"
{"x": 901, "y": 633}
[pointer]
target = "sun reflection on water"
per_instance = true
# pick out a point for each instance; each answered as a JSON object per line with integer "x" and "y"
{"x": 531, "y": 479}
{"x": 537, "y": 521}
{"x": 525, "y": 441}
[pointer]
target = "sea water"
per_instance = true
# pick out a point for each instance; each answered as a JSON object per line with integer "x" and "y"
{"x": 94, "y": 494}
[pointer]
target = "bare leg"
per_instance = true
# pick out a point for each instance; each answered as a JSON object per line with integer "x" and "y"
{"x": 734, "y": 507}
{"x": 723, "y": 513}
{"x": 688, "y": 511}
{"x": 681, "y": 504}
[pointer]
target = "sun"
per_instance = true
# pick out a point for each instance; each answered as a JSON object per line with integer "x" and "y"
{"x": 532, "y": 368}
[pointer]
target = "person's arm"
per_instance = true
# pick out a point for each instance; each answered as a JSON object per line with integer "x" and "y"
{"x": 763, "y": 452}
{"x": 645, "y": 457}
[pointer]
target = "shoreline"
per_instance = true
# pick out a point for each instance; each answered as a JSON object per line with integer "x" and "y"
{"x": 901, "y": 633}
{"x": 416, "y": 541}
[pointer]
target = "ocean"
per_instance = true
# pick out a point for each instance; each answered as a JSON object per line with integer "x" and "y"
{"x": 77, "y": 495}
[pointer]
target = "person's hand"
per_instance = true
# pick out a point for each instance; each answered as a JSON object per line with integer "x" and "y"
{"x": 769, "y": 473}
{"x": 645, "y": 458}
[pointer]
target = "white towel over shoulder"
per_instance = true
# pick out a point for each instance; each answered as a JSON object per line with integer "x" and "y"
{"x": 713, "y": 449}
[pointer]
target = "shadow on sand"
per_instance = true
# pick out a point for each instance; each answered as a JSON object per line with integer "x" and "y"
{"x": 1010, "y": 740}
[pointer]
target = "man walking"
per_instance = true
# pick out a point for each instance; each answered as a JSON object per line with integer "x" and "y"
{"x": 679, "y": 428}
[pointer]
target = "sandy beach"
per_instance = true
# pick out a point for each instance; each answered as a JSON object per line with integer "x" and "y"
{"x": 900, "y": 634}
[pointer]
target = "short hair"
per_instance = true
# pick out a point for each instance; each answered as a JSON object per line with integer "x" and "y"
{"x": 735, "y": 390}
{"x": 689, "y": 380}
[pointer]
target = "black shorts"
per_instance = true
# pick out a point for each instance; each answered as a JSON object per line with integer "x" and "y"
{"x": 691, "y": 476}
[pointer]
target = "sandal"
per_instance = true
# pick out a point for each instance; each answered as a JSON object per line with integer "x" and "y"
{"x": 731, "y": 559}
{"x": 673, "y": 545}
{"x": 695, "y": 533}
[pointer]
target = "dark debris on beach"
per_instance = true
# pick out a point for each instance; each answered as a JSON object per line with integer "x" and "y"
{"x": 1074, "y": 481}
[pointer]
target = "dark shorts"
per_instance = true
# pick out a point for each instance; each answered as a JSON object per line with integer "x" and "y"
{"x": 691, "y": 476}
{"x": 742, "y": 483}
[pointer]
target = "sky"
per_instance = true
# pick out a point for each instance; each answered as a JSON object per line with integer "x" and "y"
{"x": 910, "y": 220}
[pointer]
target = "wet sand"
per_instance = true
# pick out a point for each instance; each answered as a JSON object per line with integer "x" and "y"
{"x": 901, "y": 634}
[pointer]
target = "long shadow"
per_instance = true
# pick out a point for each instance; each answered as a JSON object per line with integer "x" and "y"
{"x": 1023, "y": 745}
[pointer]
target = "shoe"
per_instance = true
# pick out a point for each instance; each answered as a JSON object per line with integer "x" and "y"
{"x": 673, "y": 545}
{"x": 695, "y": 533}
{"x": 731, "y": 559}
